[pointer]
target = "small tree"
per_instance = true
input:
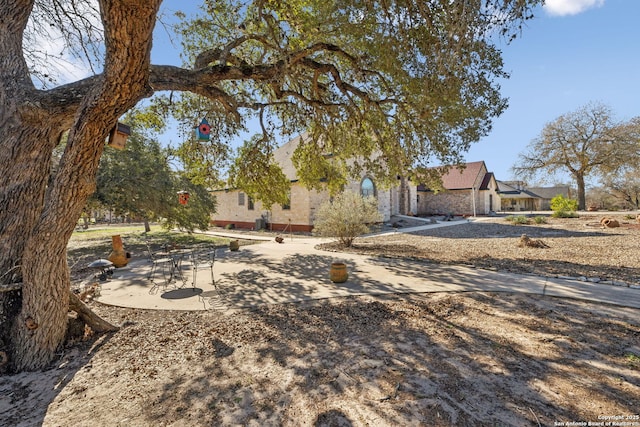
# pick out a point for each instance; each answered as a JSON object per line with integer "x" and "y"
{"x": 564, "y": 207}
{"x": 347, "y": 216}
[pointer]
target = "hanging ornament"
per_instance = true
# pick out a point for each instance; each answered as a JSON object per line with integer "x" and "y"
{"x": 203, "y": 130}
{"x": 118, "y": 136}
{"x": 183, "y": 197}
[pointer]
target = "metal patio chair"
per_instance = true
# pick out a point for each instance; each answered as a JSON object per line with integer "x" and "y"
{"x": 202, "y": 259}
{"x": 160, "y": 260}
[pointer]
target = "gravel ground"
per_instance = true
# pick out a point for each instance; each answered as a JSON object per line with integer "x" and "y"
{"x": 577, "y": 247}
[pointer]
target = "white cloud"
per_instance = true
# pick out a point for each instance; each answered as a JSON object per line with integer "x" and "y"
{"x": 570, "y": 7}
{"x": 55, "y": 59}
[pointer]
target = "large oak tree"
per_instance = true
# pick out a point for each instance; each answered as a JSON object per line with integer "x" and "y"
{"x": 410, "y": 80}
{"x": 584, "y": 143}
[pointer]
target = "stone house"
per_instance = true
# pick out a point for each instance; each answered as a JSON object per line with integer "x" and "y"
{"x": 517, "y": 197}
{"x": 470, "y": 191}
{"x": 236, "y": 208}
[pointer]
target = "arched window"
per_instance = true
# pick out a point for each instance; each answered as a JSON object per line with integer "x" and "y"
{"x": 367, "y": 188}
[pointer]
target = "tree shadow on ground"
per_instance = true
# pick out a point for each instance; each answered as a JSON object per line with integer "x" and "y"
{"x": 411, "y": 360}
{"x": 16, "y": 388}
{"x": 305, "y": 277}
{"x": 496, "y": 230}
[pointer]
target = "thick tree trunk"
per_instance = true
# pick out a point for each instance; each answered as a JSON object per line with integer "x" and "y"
{"x": 39, "y": 211}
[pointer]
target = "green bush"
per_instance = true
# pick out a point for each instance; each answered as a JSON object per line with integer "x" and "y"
{"x": 517, "y": 219}
{"x": 567, "y": 214}
{"x": 346, "y": 217}
{"x": 564, "y": 207}
{"x": 539, "y": 219}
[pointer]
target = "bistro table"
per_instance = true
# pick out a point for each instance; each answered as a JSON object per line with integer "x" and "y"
{"x": 177, "y": 256}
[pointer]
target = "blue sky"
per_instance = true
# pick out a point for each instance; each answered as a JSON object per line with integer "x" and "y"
{"x": 561, "y": 62}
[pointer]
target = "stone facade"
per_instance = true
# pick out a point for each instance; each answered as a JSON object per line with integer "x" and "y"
{"x": 234, "y": 207}
{"x": 471, "y": 192}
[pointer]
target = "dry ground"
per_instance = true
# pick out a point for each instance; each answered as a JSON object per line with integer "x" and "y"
{"x": 578, "y": 247}
{"x": 471, "y": 359}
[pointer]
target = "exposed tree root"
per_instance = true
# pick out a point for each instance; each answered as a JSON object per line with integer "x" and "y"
{"x": 95, "y": 322}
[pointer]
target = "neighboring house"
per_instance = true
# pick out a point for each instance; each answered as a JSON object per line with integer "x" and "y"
{"x": 235, "y": 207}
{"x": 515, "y": 197}
{"x": 547, "y": 193}
{"x": 469, "y": 191}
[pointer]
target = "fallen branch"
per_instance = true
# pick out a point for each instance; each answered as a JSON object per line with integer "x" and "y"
{"x": 95, "y": 322}
{"x": 528, "y": 242}
{"x": 534, "y": 414}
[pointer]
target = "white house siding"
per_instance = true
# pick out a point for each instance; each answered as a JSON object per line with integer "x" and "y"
{"x": 490, "y": 199}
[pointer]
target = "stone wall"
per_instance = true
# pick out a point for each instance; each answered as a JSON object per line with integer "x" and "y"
{"x": 234, "y": 208}
{"x": 457, "y": 202}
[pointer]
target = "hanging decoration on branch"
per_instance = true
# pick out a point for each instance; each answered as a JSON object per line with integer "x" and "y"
{"x": 183, "y": 197}
{"x": 118, "y": 136}
{"x": 203, "y": 130}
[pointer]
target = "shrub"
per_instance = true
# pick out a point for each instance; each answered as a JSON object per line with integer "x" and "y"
{"x": 539, "y": 219}
{"x": 346, "y": 217}
{"x": 565, "y": 214}
{"x": 517, "y": 219}
{"x": 564, "y": 207}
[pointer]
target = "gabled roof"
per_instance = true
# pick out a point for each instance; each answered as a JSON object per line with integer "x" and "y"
{"x": 505, "y": 188}
{"x": 550, "y": 192}
{"x": 282, "y": 156}
{"x": 486, "y": 180}
{"x": 511, "y": 192}
{"x": 456, "y": 179}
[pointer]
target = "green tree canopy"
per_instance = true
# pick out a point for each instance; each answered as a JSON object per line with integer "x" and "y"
{"x": 386, "y": 87}
{"x": 139, "y": 181}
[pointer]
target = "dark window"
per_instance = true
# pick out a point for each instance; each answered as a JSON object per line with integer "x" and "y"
{"x": 287, "y": 205}
{"x": 240, "y": 199}
{"x": 250, "y": 205}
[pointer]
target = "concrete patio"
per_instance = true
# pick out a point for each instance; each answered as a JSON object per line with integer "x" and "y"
{"x": 269, "y": 273}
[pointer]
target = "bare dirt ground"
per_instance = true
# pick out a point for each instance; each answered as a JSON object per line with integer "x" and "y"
{"x": 469, "y": 359}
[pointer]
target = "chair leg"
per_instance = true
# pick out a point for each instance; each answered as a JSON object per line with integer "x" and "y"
{"x": 152, "y": 273}
{"x": 178, "y": 272}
